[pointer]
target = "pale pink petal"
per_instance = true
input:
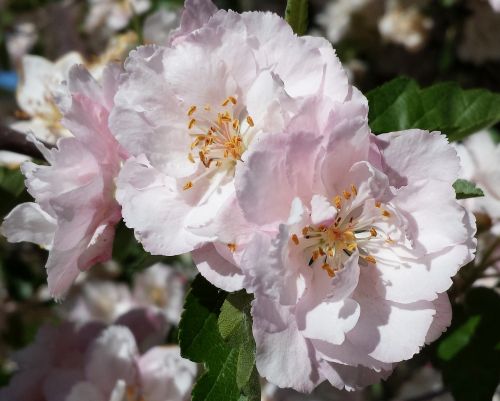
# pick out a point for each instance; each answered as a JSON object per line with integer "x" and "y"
{"x": 413, "y": 154}
{"x": 329, "y": 321}
{"x": 140, "y": 189}
{"x": 215, "y": 262}
{"x": 442, "y": 318}
{"x": 28, "y": 222}
{"x": 276, "y": 333}
{"x": 351, "y": 378}
{"x": 165, "y": 375}
{"x": 85, "y": 391}
{"x": 112, "y": 357}
{"x": 196, "y": 13}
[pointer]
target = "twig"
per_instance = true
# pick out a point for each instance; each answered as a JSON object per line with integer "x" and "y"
{"x": 15, "y": 141}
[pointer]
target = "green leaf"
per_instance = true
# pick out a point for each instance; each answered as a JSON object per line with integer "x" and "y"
{"x": 229, "y": 358}
{"x": 11, "y": 181}
{"x": 235, "y": 327}
{"x": 296, "y": 15}
{"x": 466, "y": 189}
{"x": 468, "y": 353}
{"x": 401, "y": 104}
{"x": 459, "y": 339}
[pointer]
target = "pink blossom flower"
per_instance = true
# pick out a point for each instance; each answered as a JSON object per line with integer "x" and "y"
{"x": 480, "y": 157}
{"x": 75, "y": 211}
{"x": 480, "y": 161}
{"x": 98, "y": 363}
{"x": 355, "y": 241}
{"x": 158, "y": 288}
{"x": 187, "y": 114}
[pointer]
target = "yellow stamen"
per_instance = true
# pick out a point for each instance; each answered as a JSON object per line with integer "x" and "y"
{"x": 385, "y": 213}
{"x": 337, "y": 202}
{"x": 378, "y": 204}
{"x": 305, "y": 230}
{"x": 187, "y": 185}
{"x": 370, "y": 259}
{"x": 191, "y": 124}
{"x": 347, "y": 195}
{"x": 373, "y": 232}
{"x": 349, "y": 236}
{"x": 295, "y": 239}
{"x": 232, "y": 246}
{"x": 232, "y": 99}
{"x": 236, "y": 124}
{"x": 250, "y": 121}
{"x": 190, "y": 157}
{"x": 354, "y": 190}
{"x": 351, "y": 247}
{"x": 326, "y": 267}
{"x": 191, "y": 110}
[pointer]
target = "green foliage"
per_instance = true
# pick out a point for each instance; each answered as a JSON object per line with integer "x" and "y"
{"x": 402, "y": 104}
{"x": 466, "y": 189}
{"x": 296, "y": 14}
{"x": 235, "y": 327}
{"x": 215, "y": 330}
{"x": 12, "y": 190}
{"x": 468, "y": 354}
{"x": 11, "y": 181}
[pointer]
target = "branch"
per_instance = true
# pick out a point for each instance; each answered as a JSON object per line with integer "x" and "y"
{"x": 15, "y": 141}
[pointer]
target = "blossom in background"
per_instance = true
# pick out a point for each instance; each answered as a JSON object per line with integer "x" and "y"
{"x": 162, "y": 287}
{"x": 115, "y": 52}
{"x": 113, "y": 15}
{"x": 158, "y": 287}
{"x": 20, "y": 41}
{"x": 337, "y": 15}
{"x": 75, "y": 212}
{"x": 157, "y": 26}
{"x": 350, "y": 251}
{"x": 405, "y": 25}
{"x": 96, "y": 300}
{"x": 188, "y": 114}
{"x": 480, "y": 162}
{"x": 43, "y": 81}
{"x": 481, "y": 33}
{"x": 99, "y": 363}
{"x": 40, "y": 84}
{"x": 495, "y": 4}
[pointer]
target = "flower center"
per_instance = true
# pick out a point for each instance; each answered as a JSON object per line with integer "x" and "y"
{"x": 334, "y": 242}
{"x": 218, "y": 138}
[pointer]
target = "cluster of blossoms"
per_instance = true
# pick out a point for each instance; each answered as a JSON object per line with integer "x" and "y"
{"x": 96, "y": 362}
{"x": 158, "y": 288}
{"x": 225, "y": 143}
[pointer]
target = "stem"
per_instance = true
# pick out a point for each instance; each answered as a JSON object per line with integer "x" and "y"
{"x": 15, "y": 141}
